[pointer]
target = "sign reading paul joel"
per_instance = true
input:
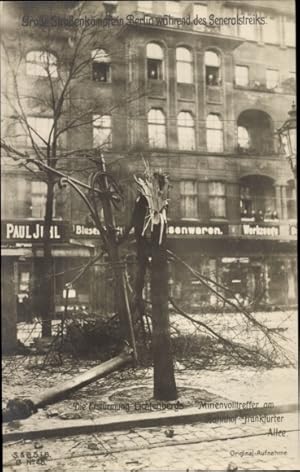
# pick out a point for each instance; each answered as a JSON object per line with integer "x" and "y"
{"x": 32, "y": 231}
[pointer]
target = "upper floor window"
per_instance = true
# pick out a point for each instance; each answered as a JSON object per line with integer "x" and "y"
{"x": 255, "y": 132}
{"x": 186, "y": 131}
{"x": 242, "y": 75}
{"x": 38, "y": 199}
{"x": 272, "y": 78}
{"x": 101, "y": 66}
{"x": 155, "y": 59}
{"x": 257, "y": 198}
{"x": 271, "y": 30}
{"x": 14, "y": 197}
{"x": 291, "y": 200}
{"x": 212, "y": 68}
{"x": 40, "y": 129}
{"x": 102, "y": 131}
{"x": 243, "y": 138}
{"x": 188, "y": 199}
{"x": 157, "y": 128}
{"x": 214, "y": 133}
{"x": 217, "y": 199}
{"x": 41, "y": 63}
{"x": 290, "y": 32}
{"x": 184, "y": 65}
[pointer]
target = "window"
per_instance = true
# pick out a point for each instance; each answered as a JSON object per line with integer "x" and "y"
{"x": 18, "y": 133}
{"x": 188, "y": 199}
{"x": 212, "y": 68}
{"x": 217, "y": 199}
{"x": 214, "y": 133}
{"x": 257, "y": 198}
{"x": 41, "y": 63}
{"x": 186, "y": 131}
{"x": 291, "y": 201}
{"x": 24, "y": 281}
{"x": 184, "y": 65}
{"x": 155, "y": 56}
{"x": 245, "y": 202}
{"x": 102, "y": 131}
{"x": 290, "y": 32}
{"x": 38, "y": 199}
{"x": 157, "y": 128}
{"x": 270, "y": 30}
{"x": 101, "y": 65}
{"x": 243, "y": 138}
{"x": 272, "y": 78}
{"x": 14, "y": 197}
{"x": 242, "y": 76}
{"x": 41, "y": 128}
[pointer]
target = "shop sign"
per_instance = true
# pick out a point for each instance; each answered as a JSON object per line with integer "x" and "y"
{"x": 16, "y": 231}
{"x": 260, "y": 230}
{"x": 83, "y": 231}
{"x": 89, "y": 232}
{"x": 293, "y": 230}
{"x": 197, "y": 229}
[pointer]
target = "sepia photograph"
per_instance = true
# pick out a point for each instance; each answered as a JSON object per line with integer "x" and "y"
{"x": 149, "y": 286}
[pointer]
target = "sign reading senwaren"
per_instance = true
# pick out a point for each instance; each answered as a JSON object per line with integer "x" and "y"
{"x": 190, "y": 229}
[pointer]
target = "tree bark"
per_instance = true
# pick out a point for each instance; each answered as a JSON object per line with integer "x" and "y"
{"x": 47, "y": 280}
{"x": 164, "y": 378}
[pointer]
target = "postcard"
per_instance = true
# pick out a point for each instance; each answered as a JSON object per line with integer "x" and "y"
{"x": 149, "y": 235}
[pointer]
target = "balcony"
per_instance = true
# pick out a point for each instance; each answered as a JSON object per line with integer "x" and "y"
{"x": 287, "y": 86}
{"x": 266, "y": 150}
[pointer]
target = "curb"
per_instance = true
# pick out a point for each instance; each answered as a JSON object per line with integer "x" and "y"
{"x": 145, "y": 420}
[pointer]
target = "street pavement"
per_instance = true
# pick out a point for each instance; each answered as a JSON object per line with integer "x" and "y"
{"x": 211, "y": 446}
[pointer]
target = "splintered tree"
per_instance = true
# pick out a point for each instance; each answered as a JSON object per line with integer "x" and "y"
{"x": 48, "y": 109}
{"x": 150, "y": 213}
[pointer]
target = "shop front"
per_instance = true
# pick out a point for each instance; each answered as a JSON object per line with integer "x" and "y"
{"x": 22, "y": 268}
{"x": 256, "y": 263}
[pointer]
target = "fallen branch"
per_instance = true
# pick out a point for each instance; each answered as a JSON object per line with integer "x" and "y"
{"x": 23, "y": 408}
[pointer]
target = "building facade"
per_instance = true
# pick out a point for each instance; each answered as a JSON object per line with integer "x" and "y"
{"x": 210, "y": 83}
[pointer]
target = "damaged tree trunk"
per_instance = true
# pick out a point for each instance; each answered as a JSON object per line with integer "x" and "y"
{"x": 23, "y": 408}
{"x": 164, "y": 378}
{"x": 150, "y": 211}
{"x": 46, "y": 305}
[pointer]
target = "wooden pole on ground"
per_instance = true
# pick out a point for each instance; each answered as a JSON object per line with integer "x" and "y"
{"x": 23, "y": 408}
